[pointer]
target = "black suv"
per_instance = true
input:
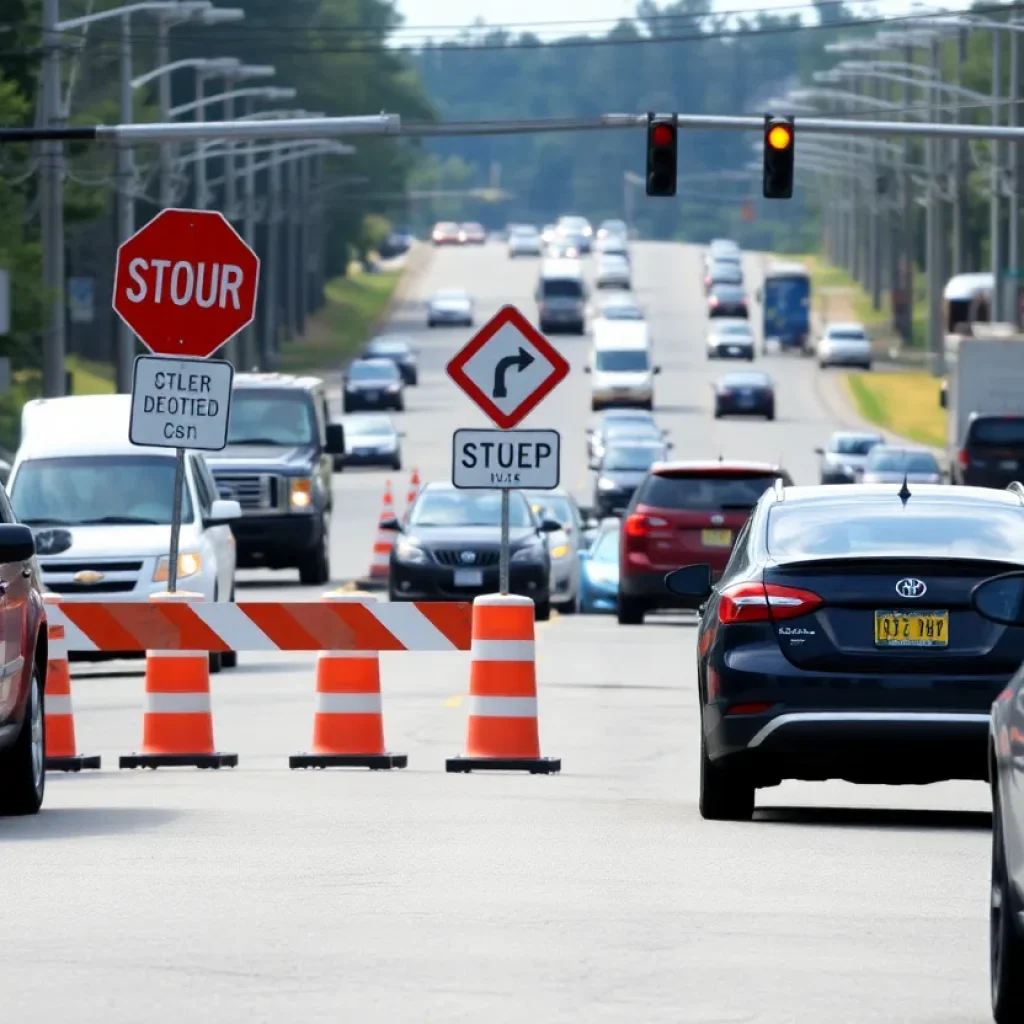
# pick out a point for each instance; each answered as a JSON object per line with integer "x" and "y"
{"x": 277, "y": 466}
{"x": 992, "y": 453}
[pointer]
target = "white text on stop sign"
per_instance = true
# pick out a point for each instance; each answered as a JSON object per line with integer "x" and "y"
{"x": 206, "y": 284}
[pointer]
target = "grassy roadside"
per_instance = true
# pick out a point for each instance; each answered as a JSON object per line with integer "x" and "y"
{"x": 905, "y": 403}
{"x": 353, "y": 307}
{"x": 87, "y": 378}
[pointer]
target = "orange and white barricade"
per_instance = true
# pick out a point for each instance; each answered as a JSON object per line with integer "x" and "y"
{"x": 503, "y": 733}
{"x": 177, "y": 722}
{"x": 348, "y": 718}
{"x": 61, "y": 749}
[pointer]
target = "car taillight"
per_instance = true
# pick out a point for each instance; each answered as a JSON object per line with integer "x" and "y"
{"x": 713, "y": 301}
{"x": 639, "y": 525}
{"x": 762, "y": 602}
{"x": 963, "y": 458}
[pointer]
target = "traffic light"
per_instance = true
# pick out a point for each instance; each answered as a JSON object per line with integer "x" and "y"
{"x": 662, "y": 143}
{"x": 779, "y": 143}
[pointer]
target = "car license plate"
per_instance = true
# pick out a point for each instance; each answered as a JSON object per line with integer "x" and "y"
{"x": 469, "y": 578}
{"x": 911, "y": 629}
{"x": 716, "y": 538}
{"x": 1008, "y": 464}
{"x": 733, "y": 350}
{"x": 372, "y": 396}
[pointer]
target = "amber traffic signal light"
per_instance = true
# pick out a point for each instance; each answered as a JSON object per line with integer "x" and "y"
{"x": 779, "y": 145}
{"x": 662, "y": 155}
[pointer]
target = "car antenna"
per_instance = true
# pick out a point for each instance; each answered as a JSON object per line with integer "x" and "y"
{"x": 904, "y": 491}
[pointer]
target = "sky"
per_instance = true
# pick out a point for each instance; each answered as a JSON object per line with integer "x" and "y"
{"x": 537, "y": 12}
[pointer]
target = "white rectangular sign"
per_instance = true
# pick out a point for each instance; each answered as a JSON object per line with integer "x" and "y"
{"x": 484, "y": 459}
{"x": 181, "y": 403}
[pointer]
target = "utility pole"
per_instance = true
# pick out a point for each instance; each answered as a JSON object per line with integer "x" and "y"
{"x": 933, "y": 225}
{"x": 268, "y": 353}
{"x": 959, "y": 168}
{"x": 1012, "y": 290}
{"x": 249, "y": 340}
{"x": 124, "y": 352}
{"x": 995, "y": 234}
{"x": 292, "y": 249}
{"x": 51, "y": 206}
{"x": 877, "y": 197}
{"x": 163, "y": 58}
{"x": 200, "y": 155}
{"x": 305, "y": 238}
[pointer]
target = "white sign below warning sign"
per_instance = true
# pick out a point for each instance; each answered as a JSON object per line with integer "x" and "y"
{"x": 515, "y": 459}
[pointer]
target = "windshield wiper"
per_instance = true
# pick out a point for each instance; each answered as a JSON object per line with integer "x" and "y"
{"x": 45, "y": 521}
{"x": 257, "y": 440}
{"x": 119, "y": 521}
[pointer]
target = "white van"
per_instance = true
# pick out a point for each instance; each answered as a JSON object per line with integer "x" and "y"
{"x": 622, "y": 365}
{"x": 561, "y": 297}
{"x": 100, "y": 508}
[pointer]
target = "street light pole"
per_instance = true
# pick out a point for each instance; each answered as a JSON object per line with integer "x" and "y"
{"x": 996, "y": 182}
{"x": 124, "y": 351}
{"x": 163, "y": 57}
{"x": 1012, "y": 291}
{"x": 292, "y": 249}
{"x": 268, "y": 353}
{"x": 933, "y": 228}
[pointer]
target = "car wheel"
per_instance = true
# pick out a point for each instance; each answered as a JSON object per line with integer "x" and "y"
{"x": 315, "y": 568}
{"x": 725, "y": 795}
{"x": 23, "y": 765}
{"x": 631, "y": 613}
{"x": 866, "y": 367}
{"x": 542, "y": 611}
{"x": 431, "y": 324}
{"x": 718, "y": 413}
{"x": 346, "y": 408}
{"x": 414, "y": 380}
{"x": 770, "y": 414}
{"x": 400, "y": 405}
{"x": 821, "y": 365}
{"x": 567, "y": 607}
{"x": 397, "y": 465}
{"x": 1006, "y": 944}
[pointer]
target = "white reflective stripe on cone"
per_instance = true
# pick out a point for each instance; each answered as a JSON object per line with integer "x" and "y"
{"x": 503, "y": 650}
{"x": 348, "y": 704}
{"x": 177, "y": 654}
{"x": 503, "y": 707}
{"x": 60, "y": 705}
{"x": 177, "y": 703}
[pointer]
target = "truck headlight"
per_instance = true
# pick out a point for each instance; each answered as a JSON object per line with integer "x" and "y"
{"x": 604, "y": 484}
{"x": 407, "y": 550}
{"x": 188, "y": 565}
{"x": 300, "y": 493}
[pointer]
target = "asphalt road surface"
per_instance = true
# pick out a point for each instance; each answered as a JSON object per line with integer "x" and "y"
{"x": 262, "y": 895}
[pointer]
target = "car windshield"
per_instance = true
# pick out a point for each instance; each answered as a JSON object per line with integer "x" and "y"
{"x": 447, "y": 226}
{"x": 629, "y": 360}
{"x": 368, "y": 428}
{"x": 746, "y": 380}
{"x": 847, "y": 334}
{"x": 97, "y": 490}
{"x": 899, "y": 461}
{"x": 451, "y": 296}
{"x": 606, "y": 548}
{"x": 728, "y": 292}
{"x": 718, "y": 493}
{"x": 616, "y": 227}
{"x": 632, "y": 458}
{"x": 997, "y": 433}
{"x": 726, "y": 272}
{"x": 481, "y": 508}
{"x": 638, "y": 430}
{"x": 988, "y": 531}
{"x": 622, "y": 313}
{"x": 553, "y": 506}
{"x": 372, "y": 371}
{"x": 388, "y": 348}
{"x": 561, "y": 288}
{"x": 259, "y": 416}
{"x": 525, "y": 232}
{"x": 726, "y": 257}
{"x": 737, "y": 329}
{"x": 854, "y": 445}
{"x": 614, "y": 263}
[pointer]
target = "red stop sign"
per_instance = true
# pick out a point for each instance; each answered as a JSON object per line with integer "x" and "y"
{"x": 186, "y": 283}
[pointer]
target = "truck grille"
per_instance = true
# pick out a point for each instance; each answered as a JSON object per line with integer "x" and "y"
{"x": 254, "y": 492}
{"x": 482, "y": 559}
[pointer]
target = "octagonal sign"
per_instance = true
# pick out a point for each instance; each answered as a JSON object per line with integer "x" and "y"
{"x": 186, "y": 283}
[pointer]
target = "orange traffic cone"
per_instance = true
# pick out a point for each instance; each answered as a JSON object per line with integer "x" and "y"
{"x": 348, "y": 723}
{"x": 177, "y": 722}
{"x": 379, "y": 564}
{"x": 61, "y": 750}
{"x": 503, "y": 734}
{"x": 414, "y": 490}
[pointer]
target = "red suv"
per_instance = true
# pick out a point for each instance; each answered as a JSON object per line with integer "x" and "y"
{"x": 22, "y": 669}
{"x": 684, "y": 513}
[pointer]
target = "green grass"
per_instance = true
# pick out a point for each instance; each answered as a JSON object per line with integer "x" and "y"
{"x": 87, "y": 378}
{"x": 354, "y": 307}
{"x": 903, "y": 402}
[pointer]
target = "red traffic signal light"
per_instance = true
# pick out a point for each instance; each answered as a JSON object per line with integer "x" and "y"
{"x": 662, "y": 143}
{"x": 663, "y": 135}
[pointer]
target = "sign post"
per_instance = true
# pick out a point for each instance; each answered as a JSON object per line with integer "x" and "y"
{"x": 508, "y": 368}
{"x": 185, "y": 283}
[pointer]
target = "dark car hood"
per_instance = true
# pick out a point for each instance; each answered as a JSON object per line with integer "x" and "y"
{"x": 625, "y": 477}
{"x": 478, "y": 537}
{"x": 244, "y": 457}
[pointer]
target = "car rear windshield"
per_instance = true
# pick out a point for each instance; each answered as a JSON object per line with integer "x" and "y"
{"x": 628, "y": 360}
{"x": 97, "y": 490}
{"x": 622, "y": 313}
{"x": 834, "y": 530}
{"x": 726, "y": 329}
{"x": 729, "y": 293}
{"x": 634, "y": 458}
{"x": 728, "y": 272}
{"x": 847, "y": 336}
{"x": 1005, "y": 432}
{"x": 562, "y": 288}
{"x": 902, "y": 462}
{"x": 854, "y": 445}
{"x": 718, "y": 493}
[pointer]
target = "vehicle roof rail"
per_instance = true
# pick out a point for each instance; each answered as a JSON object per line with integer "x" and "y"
{"x": 1017, "y": 488}
{"x": 780, "y": 489}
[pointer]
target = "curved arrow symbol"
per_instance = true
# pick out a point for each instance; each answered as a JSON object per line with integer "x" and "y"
{"x": 520, "y": 361}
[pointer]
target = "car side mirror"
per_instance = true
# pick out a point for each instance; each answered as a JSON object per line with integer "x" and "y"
{"x": 335, "y": 439}
{"x": 586, "y": 369}
{"x": 670, "y": 445}
{"x": 657, "y": 370}
{"x": 594, "y": 463}
{"x": 692, "y": 583}
{"x": 17, "y": 544}
{"x": 222, "y": 512}
{"x": 999, "y": 599}
{"x": 392, "y": 525}
{"x": 819, "y": 451}
{"x": 550, "y": 526}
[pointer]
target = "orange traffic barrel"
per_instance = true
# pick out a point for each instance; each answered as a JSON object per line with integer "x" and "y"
{"x": 60, "y": 745}
{"x": 348, "y": 717}
{"x": 503, "y": 732}
{"x": 177, "y": 722}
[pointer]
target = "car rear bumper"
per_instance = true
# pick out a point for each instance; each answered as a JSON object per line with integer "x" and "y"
{"x": 845, "y": 357}
{"x": 732, "y": 407}
{"x": 370, "y": 459}
{"x": 384, "y": 400}
{"x": 732, "y": 351}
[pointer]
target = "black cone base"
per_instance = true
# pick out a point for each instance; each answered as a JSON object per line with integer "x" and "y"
{"x": 75, "y": 763}
{"x": 179, "y": 761}
{"x": 375, "y": 762}
{"x": 535, "y": 766}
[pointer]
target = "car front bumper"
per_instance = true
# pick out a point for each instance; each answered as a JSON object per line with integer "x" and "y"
{"x": 412, "y": 582}
{"x": 380, "y": 400}
{"x": 598, "y": 596}
{"x": 727, "y": 350}
{"x": 276, "y": 542}
{"x": 839, "y": 356}
{"x": 751, "y": 407}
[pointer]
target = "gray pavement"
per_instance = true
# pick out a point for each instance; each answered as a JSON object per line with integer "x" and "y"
{"x": 260, "y": 895}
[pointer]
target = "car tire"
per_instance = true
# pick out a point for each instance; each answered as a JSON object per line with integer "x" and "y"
{"x": 315, "y": 568}
{"x": 866, "y": 367}
{"x": 400, "y": 405}
{"x": 631, "y": 613}
{"x": 431, "y": 324}
{"x": 397, "y": 465}
{"x": 1006, "y": 953}
{"x": 346, "y": 408}
{"x": 542, "y": 611}
{"x": 822, "y": 365}
{"x": 725, "y": 795}
{"x": 23, "y": 765}
{"x": 567, "y": 607}
{"x": 414, "y": 380}
{"x": 718, "y": 413}
{"x": 216, "y": 662}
